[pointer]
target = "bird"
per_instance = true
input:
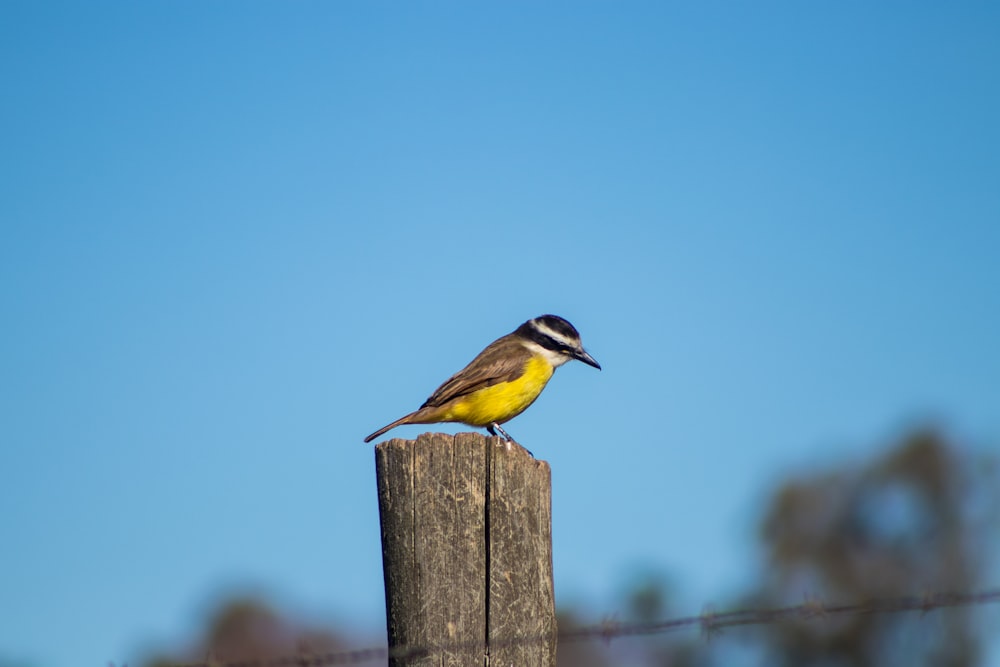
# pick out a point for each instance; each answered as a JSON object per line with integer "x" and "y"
{"x": 504, "y": 379}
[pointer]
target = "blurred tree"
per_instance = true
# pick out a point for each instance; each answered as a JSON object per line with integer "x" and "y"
{"x": 247, "y": 629}
{"x": 646, "y": 599}
{"x": 587, "y": 653}
{"x": 921, "y": 519}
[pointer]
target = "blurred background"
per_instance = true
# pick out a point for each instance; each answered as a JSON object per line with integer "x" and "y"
{"x": 239, "y": 237}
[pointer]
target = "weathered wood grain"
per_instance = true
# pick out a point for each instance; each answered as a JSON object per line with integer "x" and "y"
{"x": 467, "y": 552}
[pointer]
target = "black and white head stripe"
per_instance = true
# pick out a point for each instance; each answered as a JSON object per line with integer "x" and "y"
{"x": 556, "y": 339}
{"x": 553, "y": 333}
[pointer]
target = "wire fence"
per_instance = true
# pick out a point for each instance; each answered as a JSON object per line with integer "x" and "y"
{"x": 708, "y": 623}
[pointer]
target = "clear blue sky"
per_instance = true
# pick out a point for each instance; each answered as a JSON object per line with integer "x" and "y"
{"x": 238, "y": 236}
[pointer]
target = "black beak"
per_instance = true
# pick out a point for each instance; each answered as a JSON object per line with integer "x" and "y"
{"x": 586, "y": 358}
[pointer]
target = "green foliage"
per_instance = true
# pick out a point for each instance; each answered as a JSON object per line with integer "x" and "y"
{"x": 918, "y": 519}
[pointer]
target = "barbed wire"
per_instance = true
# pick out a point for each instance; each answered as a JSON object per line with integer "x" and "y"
{"x": 710, "y": 623}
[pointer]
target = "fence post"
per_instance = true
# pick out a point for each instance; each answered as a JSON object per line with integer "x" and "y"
{"x": 466, "y": 552}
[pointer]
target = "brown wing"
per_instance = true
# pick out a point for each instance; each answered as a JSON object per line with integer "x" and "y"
{"x": 499, "y": 362}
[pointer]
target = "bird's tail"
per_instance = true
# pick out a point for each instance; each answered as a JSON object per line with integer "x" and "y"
{"x": 421, "y": 416}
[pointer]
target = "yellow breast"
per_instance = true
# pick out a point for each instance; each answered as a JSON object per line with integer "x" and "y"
{"x": 503, "y": 401}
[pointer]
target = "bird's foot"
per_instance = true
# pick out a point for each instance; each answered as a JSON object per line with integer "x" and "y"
{"x": 506, "y": 437}
{"x": 497, "y": 427}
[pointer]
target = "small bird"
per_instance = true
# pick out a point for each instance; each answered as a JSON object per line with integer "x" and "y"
{"x": 504, "y": 379}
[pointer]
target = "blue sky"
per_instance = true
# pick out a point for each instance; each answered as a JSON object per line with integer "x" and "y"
{"x": 238, "y": 237}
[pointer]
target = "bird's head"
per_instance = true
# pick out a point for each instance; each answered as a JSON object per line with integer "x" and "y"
{"x": 558, "y": 340}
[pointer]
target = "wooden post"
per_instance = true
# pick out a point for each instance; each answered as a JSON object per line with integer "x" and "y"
{"x": 467, "y": 552}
